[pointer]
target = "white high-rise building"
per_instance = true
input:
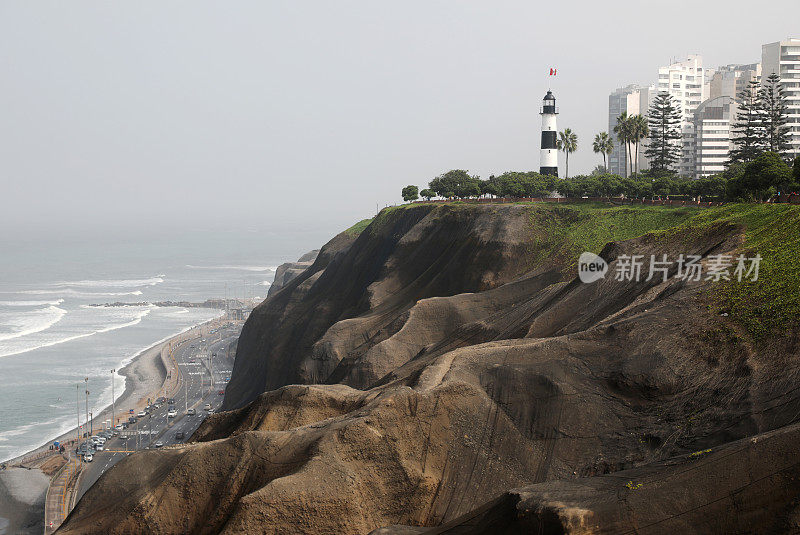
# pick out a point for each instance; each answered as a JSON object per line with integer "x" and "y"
{"x": 715, "y": 116}
{"x": 685, "y": 81}
{"x": 712, "y": 128}
{"x": 783, "y": 58}
{"x": 633, "y": 99}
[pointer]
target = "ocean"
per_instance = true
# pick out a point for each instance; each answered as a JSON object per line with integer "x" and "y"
{"x": 52, "y": 337}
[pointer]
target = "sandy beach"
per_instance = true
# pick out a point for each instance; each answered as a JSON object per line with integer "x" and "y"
{"x": 23, "y": 486}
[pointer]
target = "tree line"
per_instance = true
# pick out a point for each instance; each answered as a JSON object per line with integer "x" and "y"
{"x": 757, "y": 180}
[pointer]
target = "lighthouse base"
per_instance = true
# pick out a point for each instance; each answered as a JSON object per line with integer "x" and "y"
{"x": 548, "y": 171}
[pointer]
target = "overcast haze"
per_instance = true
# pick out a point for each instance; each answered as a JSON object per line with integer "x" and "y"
{"x": 300, "y": 114}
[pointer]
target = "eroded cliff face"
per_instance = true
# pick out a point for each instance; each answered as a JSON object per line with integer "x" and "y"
{"x": 476, "y": 386}
{"x": 289, "y": 270}
{"x": 365, "y": 288}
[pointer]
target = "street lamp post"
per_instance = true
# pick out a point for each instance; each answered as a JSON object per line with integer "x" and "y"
{"x": 86, "y": 380}
{"x": 78, "y": 405}
{"x": 113, "y": 400}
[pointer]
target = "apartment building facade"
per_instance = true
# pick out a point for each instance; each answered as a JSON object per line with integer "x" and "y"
{"x": 632, "y": 99}
{"x": 686, "y": 82}
{"x": 783, "y": 58}
{"x": 712, "y": 130}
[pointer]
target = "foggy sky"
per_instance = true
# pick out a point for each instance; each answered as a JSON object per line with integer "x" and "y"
{"x": 299, "y": 113}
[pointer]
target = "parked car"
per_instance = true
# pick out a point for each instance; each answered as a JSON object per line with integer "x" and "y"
{"x": 88, "y": 457}
{"x": 180, "y": 435}
{"x": 172, "y": 414}
{"x": 158, "y": 444}
{"x": 207, "y": 407}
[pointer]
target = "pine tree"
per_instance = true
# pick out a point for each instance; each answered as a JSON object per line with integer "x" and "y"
{"x": 663, "y": 149}
{"x": 774, "y": 111}
{"x": 748, "y": 128}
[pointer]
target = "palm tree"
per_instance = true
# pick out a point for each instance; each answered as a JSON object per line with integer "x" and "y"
{"x": 568, "y": 142}
{"x": 623, "y": 131}
{"x": 603, "y": 144}
{"x": 638, "y": 131}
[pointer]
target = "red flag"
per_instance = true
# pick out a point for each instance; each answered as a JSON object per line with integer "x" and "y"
{"x": 552, "y": 71}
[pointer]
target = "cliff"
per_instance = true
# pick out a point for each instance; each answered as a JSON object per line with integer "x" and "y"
{"x": 289, "y": 270}
{"x": 446, "y": 371}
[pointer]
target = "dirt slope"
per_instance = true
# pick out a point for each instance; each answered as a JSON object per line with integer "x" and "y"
{"x": 612, "y": 407}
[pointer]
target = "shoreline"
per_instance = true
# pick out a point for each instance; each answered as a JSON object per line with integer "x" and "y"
{"x": 23, "y": 485}
{"x": 145, "y": 374}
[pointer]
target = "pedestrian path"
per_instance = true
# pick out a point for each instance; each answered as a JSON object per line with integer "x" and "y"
{"x": 56, "y": 503}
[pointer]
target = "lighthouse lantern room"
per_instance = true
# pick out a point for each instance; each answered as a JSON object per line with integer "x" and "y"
{"x": 548, "y": 163}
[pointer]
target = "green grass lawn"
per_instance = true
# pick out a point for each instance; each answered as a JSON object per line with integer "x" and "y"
{"x": 561, "y": 232}
{"x": 358, "y": 228}
{"x": 771, "y": 303}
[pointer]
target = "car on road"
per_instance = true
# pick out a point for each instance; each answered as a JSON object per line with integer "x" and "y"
{"x": 156, "y": 405}
{"x": 207, "y": 407}
{"x": 171, "y": 401}
{"x": 180, "y": 435}
{"x": 172, "y": 414}
{"x": 120, "y": 427}
{"x": 142, "y": 414}
{"x": 159, "y": 444}
{"x": 99, "y": 447}
{"x": 190, "y": 412}
{"x": 88, "y": 457}
{"x": 132, "y": 420}
{"x": 221, "y": 392}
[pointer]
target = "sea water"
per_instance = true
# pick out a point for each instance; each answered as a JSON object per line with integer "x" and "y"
{"x": 53, "y": 336}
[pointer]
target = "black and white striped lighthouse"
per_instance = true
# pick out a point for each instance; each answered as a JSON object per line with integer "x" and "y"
{"x": 548, "y": 161}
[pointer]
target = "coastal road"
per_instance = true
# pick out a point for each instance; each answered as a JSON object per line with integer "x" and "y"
{"x": 192, "y": 358}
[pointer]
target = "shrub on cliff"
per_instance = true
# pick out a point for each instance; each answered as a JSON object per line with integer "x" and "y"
{"x": 762, "y": 178}
{"x": 456, "y": 183}
{"x": 410, "y": 193}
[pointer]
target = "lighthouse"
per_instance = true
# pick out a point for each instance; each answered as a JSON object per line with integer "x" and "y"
{"x": 548, "y": 161}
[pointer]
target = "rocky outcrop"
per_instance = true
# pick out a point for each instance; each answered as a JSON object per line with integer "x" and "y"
{"x": 289, "y": 270}
{"x": 476, "y": 386}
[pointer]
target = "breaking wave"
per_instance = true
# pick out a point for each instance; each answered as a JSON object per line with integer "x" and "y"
{"x": 30, "y": 303}
{"x": 239, "y": 268}
{"x": 29, "y": 322}
{"x": 25, "y": 345}
{"x": 69, "y": 292}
